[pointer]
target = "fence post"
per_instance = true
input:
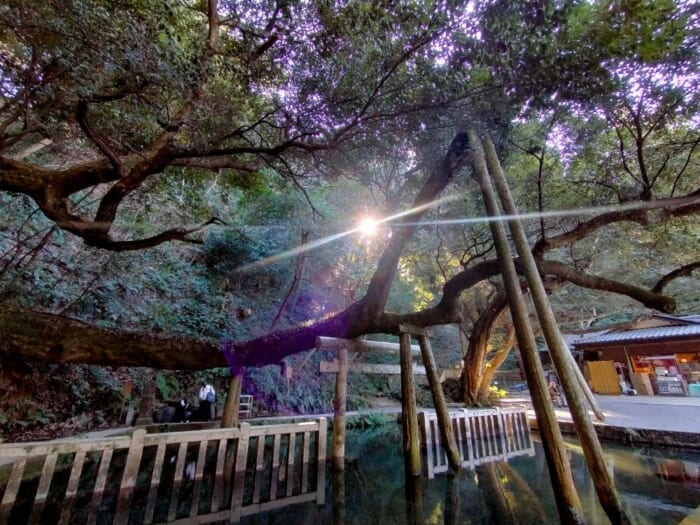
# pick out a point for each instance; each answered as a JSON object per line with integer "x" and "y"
{"x": 146, "y": 404}
{"x": 503, "y": 431}
{"x": 321, "y": 455}
{"x": 239, "y": 472}
{"x": 131, "y": 472}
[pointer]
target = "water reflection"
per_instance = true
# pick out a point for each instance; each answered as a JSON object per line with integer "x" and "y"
{"x": 657, "y": 487}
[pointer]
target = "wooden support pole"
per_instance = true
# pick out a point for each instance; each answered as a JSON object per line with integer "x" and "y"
{"x": 568, "y": 501}
{"x": 129, "y": 475}
{"x": 409, "y": 412}
{"x": 339, "y": 408}
{"x": 145, "y": 412}
{"x": 584, "y": 386}
{"x": 443, "y": 416}
{"x": 561, "y": 356}
{"x": 233, "y": 401}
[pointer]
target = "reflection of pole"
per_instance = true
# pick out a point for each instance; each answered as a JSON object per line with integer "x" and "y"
{"x": 452, "y": 499}
{"x": 561, "y": 356}
{"x": 414, "y": 500}
{"x": 535, "y": 512}
{"x": 339, "y": 406}
{"x": 568, "y": 502}
{"x": 495, "y": 494}
{"x": 338, "y": 496}
{"x": 409, "y": 415}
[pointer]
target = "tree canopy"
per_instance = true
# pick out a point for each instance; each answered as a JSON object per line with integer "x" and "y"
{"x": 129, "y": 125}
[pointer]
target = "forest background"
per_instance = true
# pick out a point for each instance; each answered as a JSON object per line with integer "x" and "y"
{"x": 182, "y": 183}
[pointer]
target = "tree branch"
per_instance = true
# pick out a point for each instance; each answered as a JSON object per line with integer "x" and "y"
{"x": 675, "y": 274}
{"x": 101, "y": 143}
{"x": 648, "y": 298}
{"x": 379, "y": 286}
{"x": 662, "y": 208}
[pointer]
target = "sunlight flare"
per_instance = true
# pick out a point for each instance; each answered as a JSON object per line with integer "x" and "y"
{"x": 368, "y": 227}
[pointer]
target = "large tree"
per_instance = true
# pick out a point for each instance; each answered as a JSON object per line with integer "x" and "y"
{"x": 312, "y": 91}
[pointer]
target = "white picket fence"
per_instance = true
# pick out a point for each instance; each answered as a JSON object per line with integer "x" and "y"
{"x": 482, "y": 435}
{"x": 200, "y": 476}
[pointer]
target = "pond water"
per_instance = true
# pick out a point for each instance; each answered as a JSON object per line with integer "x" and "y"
{"x": 657, "y": 486}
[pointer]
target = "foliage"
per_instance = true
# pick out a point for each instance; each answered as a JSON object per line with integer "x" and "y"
{"x": 369, "y": 420}
{"x": 167, "y": 385}
{"x": 285, "y": 122}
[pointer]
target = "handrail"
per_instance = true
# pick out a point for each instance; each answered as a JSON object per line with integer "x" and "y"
{"x": 288, "y": 461}
{"x": 482, "y": 435}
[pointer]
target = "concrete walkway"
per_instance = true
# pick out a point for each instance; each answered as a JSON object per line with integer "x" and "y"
{"x": 676, "y": 414}
{"x": 651, "y": 413}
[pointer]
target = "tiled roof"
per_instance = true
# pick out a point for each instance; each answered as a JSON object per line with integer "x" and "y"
{"x": 643, "y": 334}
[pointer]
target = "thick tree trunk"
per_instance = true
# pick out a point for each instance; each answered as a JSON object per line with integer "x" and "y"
{"x": 473, "y": 371}
{"x": 496, "y": 361}
{"x": 29, "y": 335}
{"x": 233, "y": 402}
{"x": 33, "y": 336}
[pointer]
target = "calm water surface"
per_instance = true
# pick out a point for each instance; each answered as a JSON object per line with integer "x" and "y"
{"x": 658, "y": 486}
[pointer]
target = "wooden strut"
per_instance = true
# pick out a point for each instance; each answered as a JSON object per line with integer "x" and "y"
{"x": 566, "y": 496}
{"x": 409, "y": 413}
{"x": 408, "y": 397}
{"x": 443, "y": 416}
{"x": 561, "y": 356}
{"x": 339, "y": 409}
{"x": 233, "y": 401}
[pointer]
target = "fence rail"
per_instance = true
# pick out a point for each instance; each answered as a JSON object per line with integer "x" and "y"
{"x": 482, "y": 435}
{"x": 213, "y": 475}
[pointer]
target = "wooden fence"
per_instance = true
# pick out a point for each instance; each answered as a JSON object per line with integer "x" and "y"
{"x": 202, "y": 475}
{"x": 245, "y": 407}
{"x": 482, "y": 435}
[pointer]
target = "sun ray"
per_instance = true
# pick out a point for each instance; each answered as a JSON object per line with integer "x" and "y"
{"x": 574, "y": 212}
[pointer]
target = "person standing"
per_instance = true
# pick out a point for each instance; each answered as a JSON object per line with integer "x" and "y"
{"x": 554, "y": 393}
{"x": 207, "y": 399}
